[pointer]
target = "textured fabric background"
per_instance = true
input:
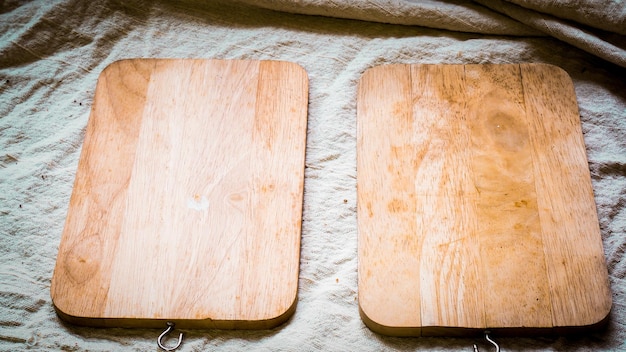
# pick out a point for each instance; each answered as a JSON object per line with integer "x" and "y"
{"x": 597, "y": 26}
{"x": 51, "y": 53}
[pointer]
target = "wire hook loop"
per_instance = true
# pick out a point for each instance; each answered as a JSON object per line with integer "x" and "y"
{"x": 490, "y": 340}
{"x": 170, "y": 327}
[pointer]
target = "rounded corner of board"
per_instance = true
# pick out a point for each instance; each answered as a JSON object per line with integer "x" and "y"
{"x": 554, "y": 69}
{"x": 65, "y": 312}
{"x": 551, "y": 67}
{"x": 264, "y": 323}
{"x": 373, "y": 74}
{"x": 597, "y": 318}
{"x": 66, "y": 315}
{"x": 282, "y": 317}
{"x": 373, "y": 70}
{"x": 295, "y": 73}
{"x": 299, "y": 68}
{"x": 598, "y": 325}
{"x": 121, "y": 62}
{"x": 304, "y": 75}
{"x": 272, "y": 320}
{"x": 62, "y": 312}
{"x": 382, "y": 329}
{"x": 603, "y": 316}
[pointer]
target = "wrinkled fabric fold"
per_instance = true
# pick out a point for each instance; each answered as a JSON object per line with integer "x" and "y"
{"x": 461, "y": 16}
{"x": 607, "y": 45}
{"x": 52, "y": 53}
{"x": 606, "y": 15}
{"x": 597, "y": 27}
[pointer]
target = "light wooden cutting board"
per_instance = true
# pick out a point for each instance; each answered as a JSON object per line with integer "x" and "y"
{"x": 475, "y": 206}
{"x": 187, "y": 201}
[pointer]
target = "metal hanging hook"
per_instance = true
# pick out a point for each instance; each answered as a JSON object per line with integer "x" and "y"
{"x": 490, "y": 340}
{"x": 170, "y": 327}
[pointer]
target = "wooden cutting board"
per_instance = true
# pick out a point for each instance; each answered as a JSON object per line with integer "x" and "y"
{"x": 187, "y": 201}
{"x": 475, "y": 206}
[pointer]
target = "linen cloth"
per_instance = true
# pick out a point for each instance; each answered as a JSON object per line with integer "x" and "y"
{"x": 52, "y": 52}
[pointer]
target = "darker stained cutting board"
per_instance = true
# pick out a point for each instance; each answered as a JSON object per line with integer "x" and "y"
{"x": 187, "y": 202}
{"x": 475, "y": 206}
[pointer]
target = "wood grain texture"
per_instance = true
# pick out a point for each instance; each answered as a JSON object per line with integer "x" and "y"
{"x": 475, "y": 207}
{"x": 187, "y": 202}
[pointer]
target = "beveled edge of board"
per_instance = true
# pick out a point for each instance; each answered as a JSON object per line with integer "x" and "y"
{"x": 452, "y": 331}
{"x": 114, "y": 63}
{"x": 201, "y": 323}
{"x": 207, "y": 323}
